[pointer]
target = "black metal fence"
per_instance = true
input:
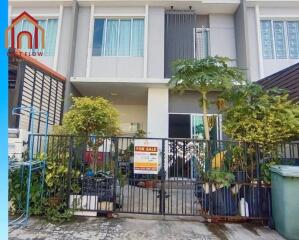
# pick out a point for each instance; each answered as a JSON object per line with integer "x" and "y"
{"x": 216, "y": 179}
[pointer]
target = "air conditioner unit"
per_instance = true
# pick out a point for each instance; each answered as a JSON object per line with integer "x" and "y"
{"x": 130, "y": 128}
{"x": 17, "y": 143}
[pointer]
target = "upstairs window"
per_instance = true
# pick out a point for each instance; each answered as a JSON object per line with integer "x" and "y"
{"x": 293, "y": 38}
{"x": 280, "y": 39}
{"x": 118, "y": 37}
{"x": 50, "y": 26}
{"x": 201, "y": 43}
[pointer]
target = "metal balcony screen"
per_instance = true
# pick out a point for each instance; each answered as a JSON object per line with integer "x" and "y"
{"x": 179, "y": 37}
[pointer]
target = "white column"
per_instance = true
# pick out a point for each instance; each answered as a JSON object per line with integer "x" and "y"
{"x": 145, "y": 42}
{"x": 58, "y": 37}
{"x": 157, "y": 112}
{"x": 157, "y": 117}
{"x": 9, "y": 14}
{"x": 90, "y": 40}
{"x": 259, "y": 41}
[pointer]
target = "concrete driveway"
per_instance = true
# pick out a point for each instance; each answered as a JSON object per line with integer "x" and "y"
{"x": 138, "y": 229}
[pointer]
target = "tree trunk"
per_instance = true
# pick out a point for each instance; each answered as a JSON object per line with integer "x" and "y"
{"x": 205, "y": 115}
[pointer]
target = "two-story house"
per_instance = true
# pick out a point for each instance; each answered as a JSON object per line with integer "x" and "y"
{"x": 123, "y": 51}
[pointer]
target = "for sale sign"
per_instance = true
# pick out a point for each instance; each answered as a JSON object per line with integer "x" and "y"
{"x": 146, "y": 156}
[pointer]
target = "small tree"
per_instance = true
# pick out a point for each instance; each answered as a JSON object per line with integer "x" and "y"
{"x": 264, "y": 117}
{"x": 91, "y": 116}
{"x": 259, "y": 116}
{"x": 204, "y": 76}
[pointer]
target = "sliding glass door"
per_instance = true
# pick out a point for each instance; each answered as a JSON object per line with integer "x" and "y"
{"x": 197, "y": 126}
{"x": 189, "y": 126}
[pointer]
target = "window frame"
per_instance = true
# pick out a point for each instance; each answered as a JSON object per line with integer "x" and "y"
{"x": 202, "y": 29}
{"x": 287, "y": 31}
{"x": 286, "y": 37}
{"x": 119, "y": 18}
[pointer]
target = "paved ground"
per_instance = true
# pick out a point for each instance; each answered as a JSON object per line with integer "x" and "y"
{"x": 139, "y": 229}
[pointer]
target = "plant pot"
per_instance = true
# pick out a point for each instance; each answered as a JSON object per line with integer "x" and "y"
{"x": 150, "y": 184}
{"x": 219, "y": 201}
{"x": 240, "y": 176}
{"x": 223, "y": 203}
{"x": 54, "y": 201}
{"x": 258, "y": 199}
{"x": 141, "y": 184}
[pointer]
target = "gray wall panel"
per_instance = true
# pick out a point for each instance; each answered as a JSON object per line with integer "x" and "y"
{"x": 65, "y": 39}
{"x": 82, "y": 42}
{"x": 179, "y": 42}
{"x": 241, "y": 39}
{"x": 189, "y": 102}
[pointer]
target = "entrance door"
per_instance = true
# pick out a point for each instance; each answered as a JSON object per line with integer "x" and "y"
{"x": 185, "y": 126}
{"x": 179, "y": 128}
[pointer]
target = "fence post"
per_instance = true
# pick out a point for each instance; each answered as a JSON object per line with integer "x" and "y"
{"x": 258, "y": 162}
{"x": 71, "y": 144}
{"x": 115, "y": 140}
{"x": 162, "y": 191}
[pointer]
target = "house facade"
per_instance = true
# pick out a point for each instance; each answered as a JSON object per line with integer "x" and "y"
{"x": 123, "y": 51}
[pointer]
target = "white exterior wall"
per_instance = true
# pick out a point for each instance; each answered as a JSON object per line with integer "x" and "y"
{"x": 222, "y": 35}
{"x": 157, "y": 112}
{"x": 132, "y": 114}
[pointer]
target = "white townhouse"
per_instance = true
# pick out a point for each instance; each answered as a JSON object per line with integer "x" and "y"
{"x": 123, "y": 50}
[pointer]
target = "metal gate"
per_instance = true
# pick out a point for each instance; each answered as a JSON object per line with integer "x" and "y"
{"x": 169, "y": 192}
{"x": 194, "y": 177}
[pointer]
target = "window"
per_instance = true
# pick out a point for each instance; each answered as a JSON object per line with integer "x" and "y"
{"x": 179, "y": 125}
{"x": 50, "y": 26}
{"x": 118, "y": 37}
{"x": 267, "y": 41}
{"x": 293, "y": 39}
{"x": 201, "y": 43}
{"x": 280, "y": 39}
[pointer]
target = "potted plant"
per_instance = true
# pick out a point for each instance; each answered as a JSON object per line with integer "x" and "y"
{"x": 150, "y": 182}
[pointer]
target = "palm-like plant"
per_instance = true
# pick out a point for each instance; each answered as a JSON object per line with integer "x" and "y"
{"x": 205, "y": 75}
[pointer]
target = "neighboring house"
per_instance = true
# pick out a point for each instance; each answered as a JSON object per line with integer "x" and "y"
{"x": 287, "y": 79}
{"x": 267, "y": 36}
{"x": 33, "y": 84}
{"x": 123, "y": 50}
